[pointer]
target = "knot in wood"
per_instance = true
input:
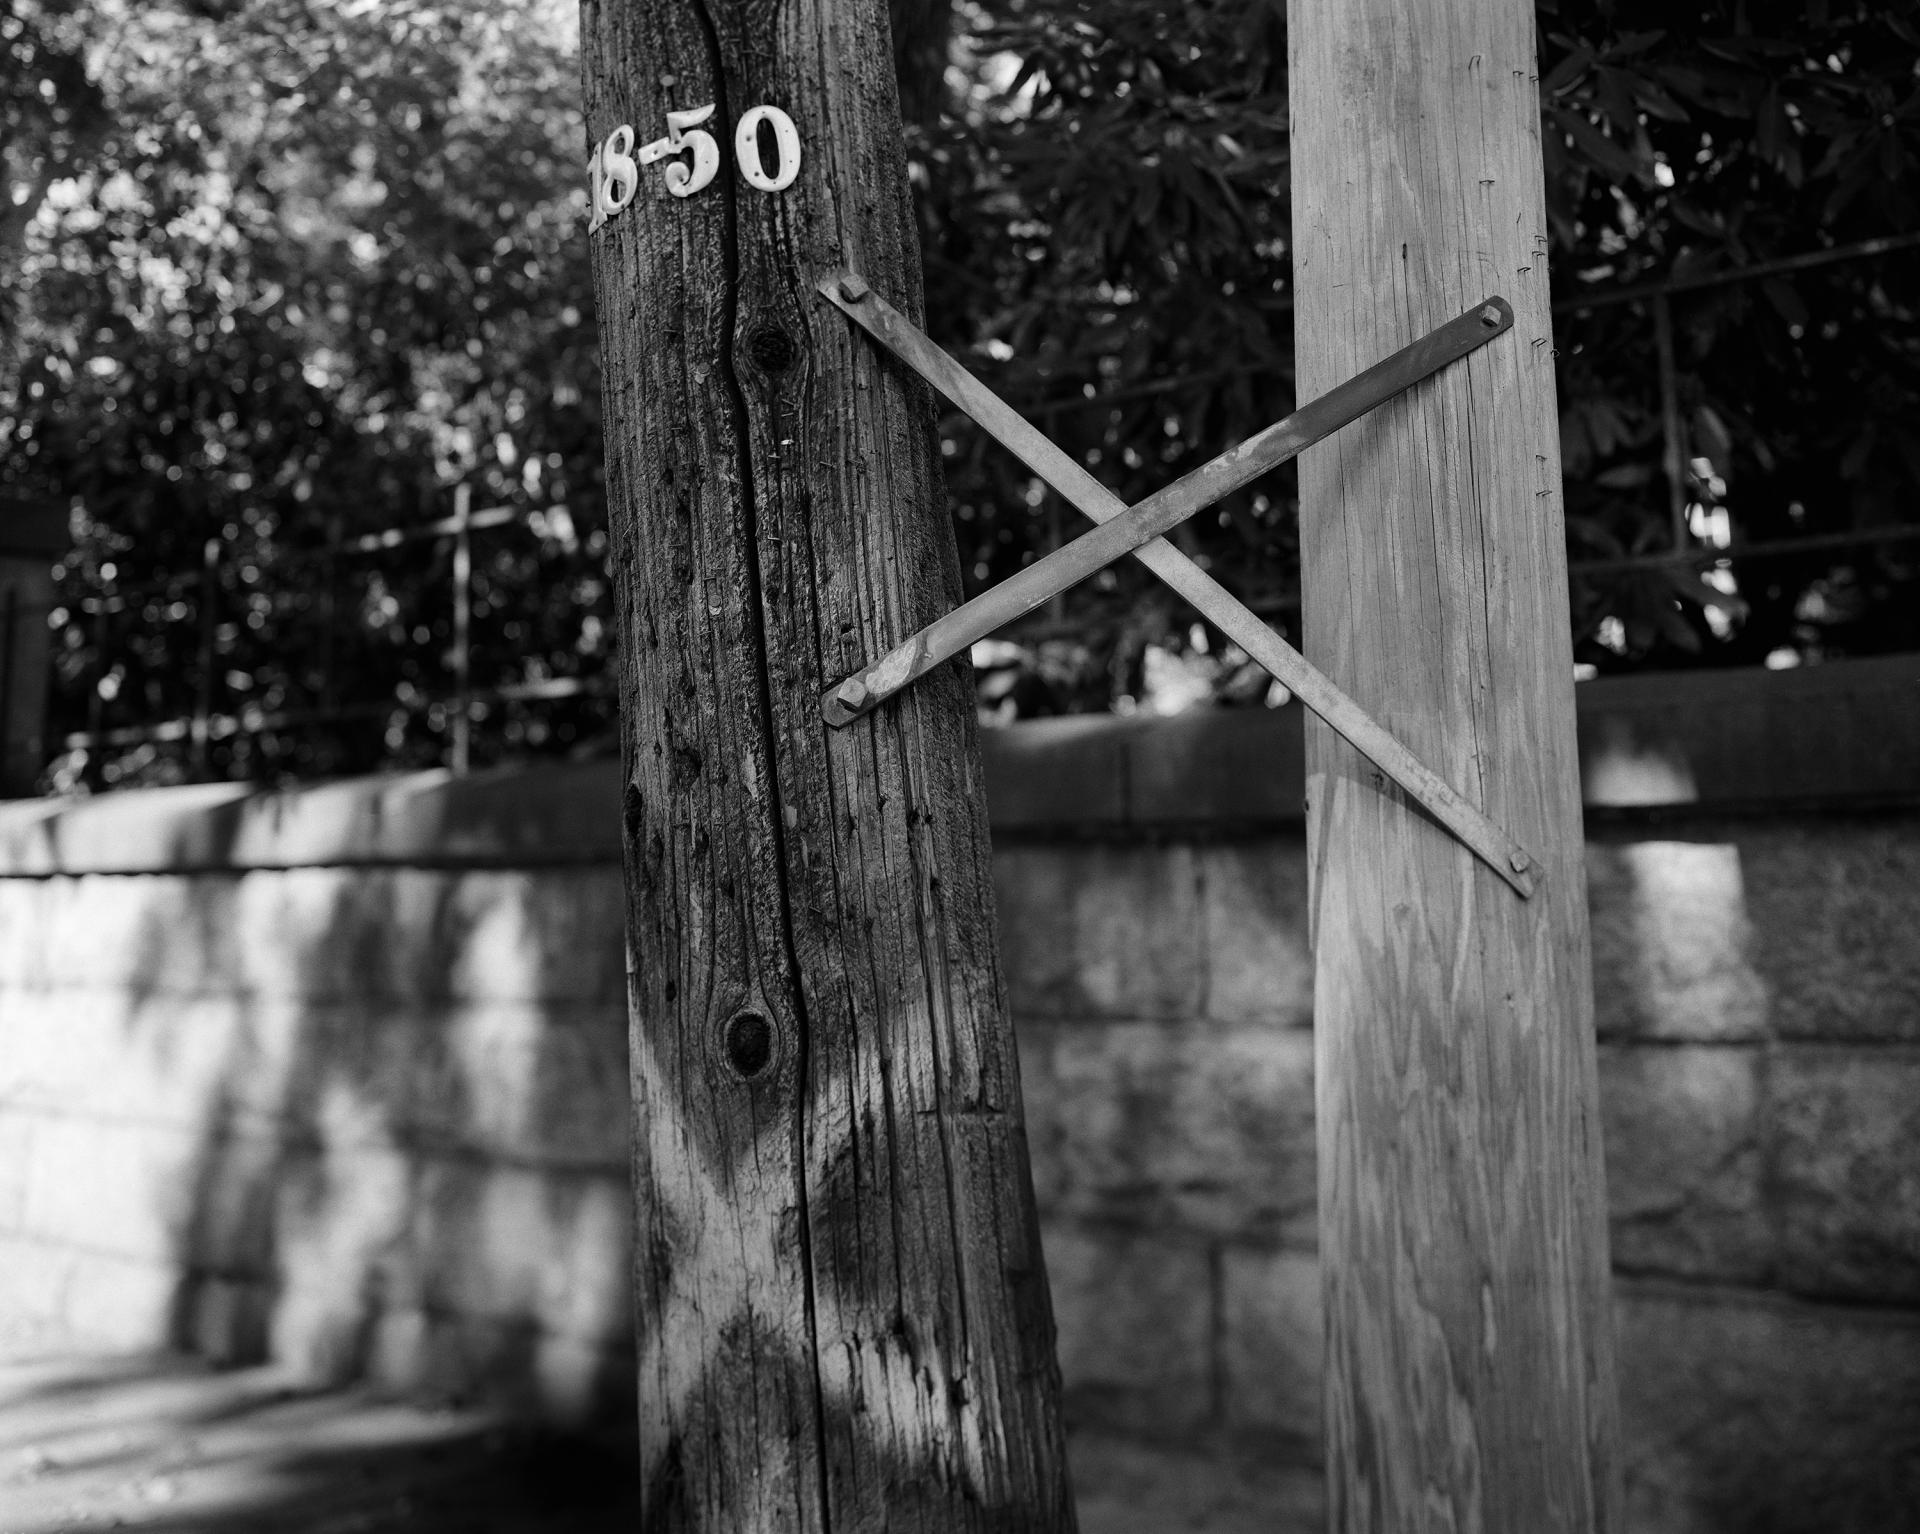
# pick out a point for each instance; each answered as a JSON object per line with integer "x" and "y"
{"x": 771, "y": 348}
{"x": 748, "y": 1043}
{"x": 631, "y": 820}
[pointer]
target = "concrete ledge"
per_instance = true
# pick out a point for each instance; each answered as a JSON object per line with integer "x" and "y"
{"x": 1846, "y": 734}
{"x": 1243, "y": 766}
{"x": 520, "y": 817}
{"x": 1845, "y": 731}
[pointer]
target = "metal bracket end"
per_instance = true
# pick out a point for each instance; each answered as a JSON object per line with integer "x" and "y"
{"x": 841, "y": 288}
{"x": 1496, "y": 314}
{"x": 846, "y": 701}
{"x": 866, "y": 690}
{"x": 1519, "y": 873}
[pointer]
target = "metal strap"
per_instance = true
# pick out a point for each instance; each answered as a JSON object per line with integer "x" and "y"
{"x": 1488, "y": 841}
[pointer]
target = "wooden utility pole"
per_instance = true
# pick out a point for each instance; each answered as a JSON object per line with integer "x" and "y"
{"x": 1469, "y": 1377}
{"x": 843, "y": 1316}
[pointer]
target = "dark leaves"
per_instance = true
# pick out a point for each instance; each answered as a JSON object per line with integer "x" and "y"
{"x": 320, "y": 264}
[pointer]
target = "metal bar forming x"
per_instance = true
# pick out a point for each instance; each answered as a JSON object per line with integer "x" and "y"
{"x": 1136, "y": 530}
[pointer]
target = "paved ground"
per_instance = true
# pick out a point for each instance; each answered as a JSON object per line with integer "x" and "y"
{"x": 166, "y": 1444}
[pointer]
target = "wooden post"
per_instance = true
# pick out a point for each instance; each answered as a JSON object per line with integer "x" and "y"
{"x": 32, "y": 534}
{"x": 328, "y": 690}
{"x": 461, "y": 708}
{"x": 1673, "y": 439}
{"x": 202, "y": 732}
{"x": 843, "y": 1316}
{"x": 93, "y": 771}
{"x": 1469, "y": 1372}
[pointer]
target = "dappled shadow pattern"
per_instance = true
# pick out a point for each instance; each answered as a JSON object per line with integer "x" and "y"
{"x": 368, "y": 1121}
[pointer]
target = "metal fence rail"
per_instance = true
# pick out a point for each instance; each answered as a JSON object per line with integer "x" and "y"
{"x": 451, "y": 703}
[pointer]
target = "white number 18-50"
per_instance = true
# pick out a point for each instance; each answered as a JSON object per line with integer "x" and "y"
{"x": 613, "y": 172}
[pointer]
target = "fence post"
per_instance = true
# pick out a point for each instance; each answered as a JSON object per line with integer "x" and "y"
{"x": 462, "y": 627}
{"x": 330, "y": 616}
{"x": 30, "y": 535}
{"x": 1673, "y": 450}
{"x": 203, "y": 700}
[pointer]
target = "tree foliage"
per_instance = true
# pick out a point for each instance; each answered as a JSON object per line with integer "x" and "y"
{"x": 283, "y": 271}
{"x": 1105, "y": 238}
{"x": 1106, "y": 211}
{"x": 1682, "y": 142}
{"x": 293, "y": 270}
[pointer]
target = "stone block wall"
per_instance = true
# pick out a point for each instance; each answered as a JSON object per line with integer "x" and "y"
{"x": 1760, "y": 1094}
{"x": 367, "y": 1120}
{"x": 339, "y": 1075}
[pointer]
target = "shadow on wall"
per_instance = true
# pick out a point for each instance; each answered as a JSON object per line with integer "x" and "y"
{"x": 381, "y": 1117}
{"x": 373, "y": 1119}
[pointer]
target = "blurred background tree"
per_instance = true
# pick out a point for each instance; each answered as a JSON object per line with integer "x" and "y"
{"x": 283, "y": 272}
{"x": 1106, "y": 227}
{"x": 282, "y": 275}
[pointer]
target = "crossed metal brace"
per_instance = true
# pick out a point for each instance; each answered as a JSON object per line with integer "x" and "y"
{"x": 1137, "y": 530}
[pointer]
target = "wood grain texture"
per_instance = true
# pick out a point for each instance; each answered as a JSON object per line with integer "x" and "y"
{"x": 843, "y": 1314}
{"x": 1469, "y": 1379}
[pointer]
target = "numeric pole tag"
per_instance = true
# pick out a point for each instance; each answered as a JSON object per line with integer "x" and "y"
{"x": 685, "y": 136}
{"x": 613, "y": 169}
{"x": 786, "y": 140}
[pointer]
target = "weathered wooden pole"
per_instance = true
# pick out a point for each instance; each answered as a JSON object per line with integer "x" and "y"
{"x": 843, "y": 1316}
{"x": 1469, "y": 1374}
